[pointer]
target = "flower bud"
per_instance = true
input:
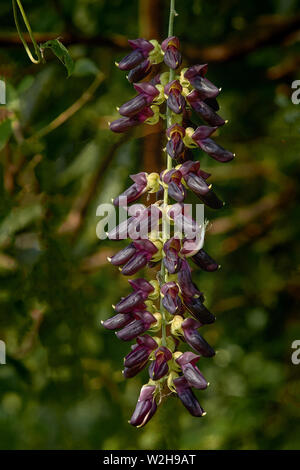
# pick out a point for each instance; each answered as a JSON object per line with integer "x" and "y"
{"x": 187, "y": 397}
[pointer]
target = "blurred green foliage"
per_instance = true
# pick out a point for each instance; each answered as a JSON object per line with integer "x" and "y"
{"x": 62, "y": 386}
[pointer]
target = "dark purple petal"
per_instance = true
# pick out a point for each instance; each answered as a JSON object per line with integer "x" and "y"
{"x": 176, "y": 103}
{"x": 142, "y": 44}
{"x": 139, "y": 72}
{"x": 203, "y": 132}
{"x": 143, "y": 413}
{"x": 130, "y": 372}
{"x": 205, "y": 88}
{"x": 195, "y": 340}
{"x": 205, "y": 111}
{"x": 124, "y": 255}
{"x": 159, "y": 367}
{"x": 187, "y": 397}
{"x": 211, "y": 200}
{"x": 216, "y": 151}
{"x": 175, "y": 147}
{"x": 197, "y": 184}
{"x": 117, "y": 321}
{"x": 132, "y": 330}
{"x": 123, "y": 124}
{"x": 133, "y": 106}
{"x": 176, "y": 192}
{"x": 132, "y": 301}
{"x": 199, "y": 311}
{"x": 141, "y": 285}
{"x": 130, "y": 61}
{"x": 131, "y": 194}
{"x": 196, "y": 70}
{"x": 204, "y": 261}
{"x": 172, "y": 58}
{"x": 137, "y": 262}
{"x": 187, "y": 287}
{"x": 194, "y": 377}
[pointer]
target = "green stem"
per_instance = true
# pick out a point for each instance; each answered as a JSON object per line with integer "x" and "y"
{"x": 163, "y": 273}
{"x": 27, "y": 24}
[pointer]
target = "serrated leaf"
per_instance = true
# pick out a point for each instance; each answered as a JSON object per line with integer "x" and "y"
{"x": 61, "y": 52}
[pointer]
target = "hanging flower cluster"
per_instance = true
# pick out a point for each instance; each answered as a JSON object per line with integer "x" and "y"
{"x": 164, "y": 315}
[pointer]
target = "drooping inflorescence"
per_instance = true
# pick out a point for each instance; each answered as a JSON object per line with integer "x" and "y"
{"x": 164, "y": 314}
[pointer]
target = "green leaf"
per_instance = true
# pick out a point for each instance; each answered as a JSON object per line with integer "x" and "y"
{"x": 61, "y": 52}
{"x": 5, "y": 132}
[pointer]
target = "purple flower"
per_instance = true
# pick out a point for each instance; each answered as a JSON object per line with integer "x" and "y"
{"x": 135, "y": 300}
{"x": 123, "y": 124}
{"x": 183, "y": 222}
{"x": 138, "y": 357}
{"x": 141, "y": 49}
{"x": 134, "y": 191}
{"x": 187, "y": 397}
{"x": 117, "y": 321}
{"x": 146, "y": 95}
{"x": 175, "y": 146}
{"x": 145, "y": 408}
{"x": 195, "y": 75}
{"x": 171, "y": 260}
{"x": 196, "y": 307}
{"x": 141, "y": 323}
{"x": 172, "y": 57}
{"x": 176, "y": 190}
{"x": 201, "y": 137}
{"x": 140, "y": 71}
{"x": 202, "y": 108}
{"x": 194, "y": 339}
{"x": 186, "y": 284}
{"x": 204, "y": 261}
{"x": 137, "y": 226}
{"x": 195, "y": 180}
{"x": 171, "y": 300}
{"x": 175, "y": 101}
{"x": 145, "y": 249}
{"x": 159, "y": 367}
{"x": 192, "y": 374}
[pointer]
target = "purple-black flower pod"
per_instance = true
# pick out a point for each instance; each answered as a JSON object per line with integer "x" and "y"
{"x": 141, "y": 48}
{"x": 145, "y": 407}
{"x": 171, "y": 259}
{"x": 216, "y": 151}
{"x": 159, "y": 367}
{"x": 186, "y": 284}
{"x": 172, "y": 57}
{"x": 140, "y": 352}
{"x": 176, "y": 103}
{"x": 133, "y": 106}
{"x": 132, "y": 301}
{"x": 137, "y": 262}
{"x": 192, "y": 374}
{"x": 171, "y": 300}
{"x": 141, "y": 323}
{"x": 123, "y": 256}
{"x": 117, "y": 321}
{"x": 194, "y": 339}
{"x": 204, "y": 261}
{"x": 187, "y": 397}
{"x": 205, "y": 111}
{"x": 197, "y": 184}
{"x": 139, "y": 72}
{"x": 199, "y": 311}
{"x": 211, "y": 200}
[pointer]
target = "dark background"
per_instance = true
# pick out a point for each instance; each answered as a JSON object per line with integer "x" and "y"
{"x": 62, "y": 386}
